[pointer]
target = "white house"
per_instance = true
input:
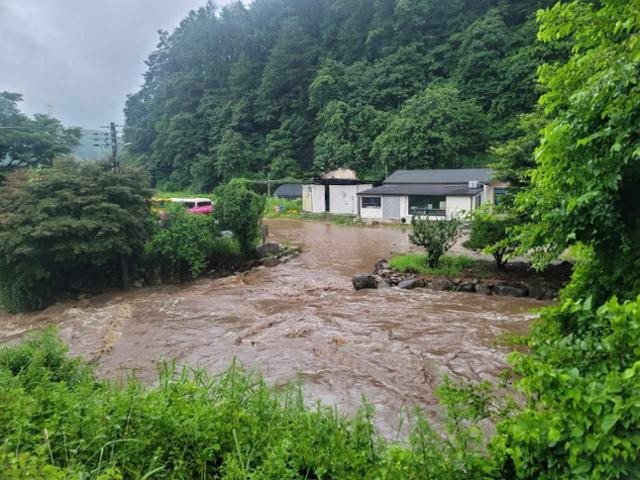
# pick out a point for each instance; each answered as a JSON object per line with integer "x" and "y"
{"x": 431, "y": 194}
{"x": 335, "y": 192}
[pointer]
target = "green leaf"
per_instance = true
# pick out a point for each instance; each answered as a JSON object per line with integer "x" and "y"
{"x": 609, "y": 421}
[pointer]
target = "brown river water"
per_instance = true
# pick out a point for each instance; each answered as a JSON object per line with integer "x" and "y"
{"x": 300, "y": 319}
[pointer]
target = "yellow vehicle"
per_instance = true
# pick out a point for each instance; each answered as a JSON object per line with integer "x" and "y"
{"x": 159, "y": 204}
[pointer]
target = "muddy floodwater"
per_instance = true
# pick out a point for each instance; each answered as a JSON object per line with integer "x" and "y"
{"x": 304, "y": 319}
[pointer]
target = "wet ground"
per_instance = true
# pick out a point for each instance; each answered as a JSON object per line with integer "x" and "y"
{"x": 300, "y": 318}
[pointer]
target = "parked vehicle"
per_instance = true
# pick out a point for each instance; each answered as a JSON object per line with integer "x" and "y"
{"x": 202, "y": 206}
{"x": 159, "y": 204}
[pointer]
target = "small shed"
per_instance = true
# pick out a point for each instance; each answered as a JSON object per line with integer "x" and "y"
{"x": 334, "y": 192}
{"x": 289, "y": 191}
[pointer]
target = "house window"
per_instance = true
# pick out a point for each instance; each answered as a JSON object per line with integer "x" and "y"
{"x": 427, "y": 205}
{"x": 371, "y": 202}
{"x": 498, "y": 194}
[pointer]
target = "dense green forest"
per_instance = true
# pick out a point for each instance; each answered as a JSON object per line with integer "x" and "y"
{"x": 296, "y": 87}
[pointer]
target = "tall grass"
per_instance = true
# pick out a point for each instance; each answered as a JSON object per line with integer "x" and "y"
{"x": 58, "y": 421}
{"x": 450, "y": 265}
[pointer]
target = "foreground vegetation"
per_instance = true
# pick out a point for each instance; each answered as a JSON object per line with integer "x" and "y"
{"x": 57, "y": 422}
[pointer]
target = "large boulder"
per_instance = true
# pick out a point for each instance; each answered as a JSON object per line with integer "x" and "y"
{"x": 267, "y": 249}
{"x": 511, "y": 289}
{"x": 364, "y": 280}
{"x": 411, "y": 283}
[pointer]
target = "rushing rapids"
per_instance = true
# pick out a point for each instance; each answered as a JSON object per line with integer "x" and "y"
{"x": 300, "y": 319}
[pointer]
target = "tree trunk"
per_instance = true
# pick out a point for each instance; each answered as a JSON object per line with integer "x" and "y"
{"x": 124, "y": 271}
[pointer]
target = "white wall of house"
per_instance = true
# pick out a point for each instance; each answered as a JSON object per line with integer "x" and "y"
{"x": 343, "y": 199}
{"x": 372, "y": 212}
{"x": 313, "y": 198}
{"x": 404, "y": 207}
{"x": 306, "y": 198}
{"x": 458, "y": 205}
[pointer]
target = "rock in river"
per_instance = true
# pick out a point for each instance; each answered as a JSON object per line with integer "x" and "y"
{"x": 364, "y": 280}
{"x": 485, "y": 288}
{"x": 442, "y": 285}
{"x": 411, "y": 283}
{"x": 511, "y": 289}
{"x": 270, "y": 261}
{"x": 381, "y": 265}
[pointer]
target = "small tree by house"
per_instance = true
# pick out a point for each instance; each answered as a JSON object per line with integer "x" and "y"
{"x": 239, "y": 210}
{"x": 490, "y": 233}
{"x": 436, "y": 237}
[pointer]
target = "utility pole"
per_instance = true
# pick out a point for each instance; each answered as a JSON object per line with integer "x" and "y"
{"x": 114, "y": 147}
{"x": 124, "y": 264}
{"x": 111, "y": 138}
{"x": 268, "y": 185}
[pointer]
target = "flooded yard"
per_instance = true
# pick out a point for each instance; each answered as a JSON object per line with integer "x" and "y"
{"x": 301, "y": 319}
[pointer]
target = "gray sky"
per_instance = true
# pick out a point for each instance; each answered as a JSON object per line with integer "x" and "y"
{"x": 81, "y": 56}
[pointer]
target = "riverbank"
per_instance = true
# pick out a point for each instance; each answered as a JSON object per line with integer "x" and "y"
{"x": 463, "y": 274}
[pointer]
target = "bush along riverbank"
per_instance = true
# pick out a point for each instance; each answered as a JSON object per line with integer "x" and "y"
{"x": 74, "y": 229}
{"x": 462, "y": 274}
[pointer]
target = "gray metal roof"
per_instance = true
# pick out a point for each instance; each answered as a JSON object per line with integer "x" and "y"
{"x": 460, "y": 189}
{"x": 445, "y": 175}
{"x": 288, "y": 190}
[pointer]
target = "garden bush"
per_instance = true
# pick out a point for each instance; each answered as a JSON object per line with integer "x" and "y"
{"x": 489, "y": 233}
{"x": 239, "y": 210}
{"x": 183, "y": 242}
{"x": 435, "y": 236}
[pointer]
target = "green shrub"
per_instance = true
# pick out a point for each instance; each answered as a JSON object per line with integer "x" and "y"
{"x": 283, "y": 207}
{"x": 490, "y": 233}
{"x": 194, "y": 425}
{"x": 435, "y": 236}
{"x": 69, "y": 225}
{"x": 240, "y": 210}
{"x": 582, "y": 383}
{"x": 184, "y": 242}
{"x": 449, "y": 265}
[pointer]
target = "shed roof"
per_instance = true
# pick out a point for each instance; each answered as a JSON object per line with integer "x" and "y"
{"x": 292, "y": 190}
{"x": 443, "y": 175}
{"x": 460, "y": 189}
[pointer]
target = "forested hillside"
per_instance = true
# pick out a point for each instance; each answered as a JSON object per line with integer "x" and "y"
{"x": 296, "y": 87}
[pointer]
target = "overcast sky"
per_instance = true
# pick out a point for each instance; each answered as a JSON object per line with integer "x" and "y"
{"x": 81, "y": 56}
